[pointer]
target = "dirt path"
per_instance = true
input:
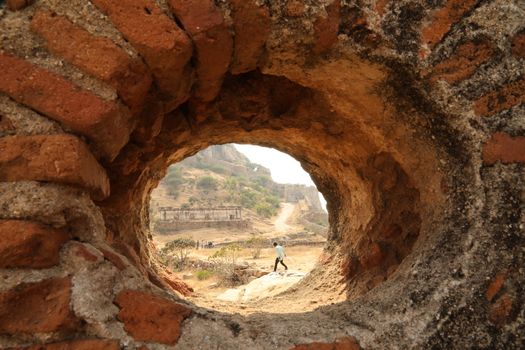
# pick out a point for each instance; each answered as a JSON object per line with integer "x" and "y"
{"x": 281, "y": 220}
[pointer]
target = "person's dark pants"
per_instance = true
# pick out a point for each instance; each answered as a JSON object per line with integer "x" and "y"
{"x": 279, "y": 260}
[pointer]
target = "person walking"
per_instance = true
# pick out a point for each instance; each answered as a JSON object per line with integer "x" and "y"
{"x": 279, "y": 250}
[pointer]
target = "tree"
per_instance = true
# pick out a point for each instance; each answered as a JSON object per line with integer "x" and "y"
{"x": 207, "y": 183}
{"x": 180, "y": 249}
{"x": 174, "y": 180}
{"x": 256, "y": 244}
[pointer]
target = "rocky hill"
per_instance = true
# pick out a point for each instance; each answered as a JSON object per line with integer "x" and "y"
{"x": 220, "y": 176}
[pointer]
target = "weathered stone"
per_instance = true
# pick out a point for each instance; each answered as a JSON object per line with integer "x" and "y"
{"x": 37, "y": 307}
{"x": 84, "y": 344}
{"x": 164, "y": 46}
{"x": 175, "y": 283}
{"x": 504, "y": 148}
{"x": 443, "y": 19}
{"x": 295, "y": 8}
{"x": 148, "y": 317}
{"x": 105, "y": 123}
{"x": 326, "y": 27}
{"x": 114, "y": 258}
{"x": 381, "y": 6}
{"x": 500, "y": 311}
{"x": 466, "y": 58}
{"x": 347, "y": 343}
{"x": 372, "y": 256}
{"x": 506, "y": 97}
{"x": 15, "y": 5}
{"x": 95, "y": 55}
{"x": 29, "y": 244}
{"x": 213, "y": 43}
{"x": 251, "y": 23}
{"x": 495, "y": 286}
{"x": 58, "y": 158}
{"x": 518, "y": 44}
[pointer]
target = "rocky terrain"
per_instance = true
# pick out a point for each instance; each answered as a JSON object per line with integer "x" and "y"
{"x": 407, "y": 114}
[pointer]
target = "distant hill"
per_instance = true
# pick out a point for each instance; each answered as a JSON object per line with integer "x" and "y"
{"x": 222, "y": 176}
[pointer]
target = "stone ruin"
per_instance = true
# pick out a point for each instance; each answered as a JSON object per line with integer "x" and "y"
{"x": 179, "y": 219}
{"x": 408, "y": 114}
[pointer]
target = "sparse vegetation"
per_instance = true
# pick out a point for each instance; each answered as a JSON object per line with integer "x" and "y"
{"x": 175, "y": 253}
{"x": 203, "y": 274}
{"x": 207, "y": 183}
{"x": 256, "y": 244}
{"x": 224, "y": 261}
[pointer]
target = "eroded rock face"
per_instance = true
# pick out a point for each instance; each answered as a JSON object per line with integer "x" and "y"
{"x": 407, "y": 114}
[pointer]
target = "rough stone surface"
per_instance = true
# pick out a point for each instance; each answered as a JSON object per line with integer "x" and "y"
{"x": 465, "y": 60}
{"x": 97, "y": 56}
{"x": 163, "y": 45}
{"x": 251, "y": 23}
{"x": 408, "y": 113}
{"x": 504, "y": 148}
{"x": 15, "y": 5}
{"x": 213, "y": 42}
{"x": 103, "y": 122}
{"x": 506, "y": 97}
{"x": 150, "y": 318}
{"x": 37, "y": 307}
{"x": 58, "y": 158}
{"x": 326, "y": 27}
{"x": 87, "y": 344}
{"x": 340, "y": 344}
{"x": 29, "y": 244}
{"x": 443, "y": 19}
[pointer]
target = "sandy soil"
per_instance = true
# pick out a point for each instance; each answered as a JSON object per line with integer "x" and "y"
{"x": 300, "y": 260}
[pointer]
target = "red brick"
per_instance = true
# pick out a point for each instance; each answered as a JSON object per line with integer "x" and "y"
{"x": 213, "y": 43}
{"x": 466, "y": 58}
{"x": 176, "y": 284}
{"x": 346, "y": 343}
{"x": 103, "y": 122}
{"x": 500, "y": 311}
{"x": 97, "y": 56}
{"x": 495, "y": 286}
{"x": 506, "y": 97}
{"x": 84, "y": 344}
{"x": 504, "y": 148}
{"x": 164, "y": 46}
{"x": 29, "y": 244}
{"x": 381, "y": 6}
{"x": 295, "y": 8}
{"x": 443, "y": 19}
{"x": 326, "y": 28}
{"x": 518, "y": 44}
{"x": 114, "y": 258}
{"x": 57, "y": 158}
{"x": 148, "y": 317}
{"x": 15, "y": 5}
{"x": 37, "y": 308}
{"x": 251, "y": 24}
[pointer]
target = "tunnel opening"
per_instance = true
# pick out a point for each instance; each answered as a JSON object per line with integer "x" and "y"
{"x": 407, "y": 115}
{"x": 216, "y": 214}
{"x": 383, "y": 191}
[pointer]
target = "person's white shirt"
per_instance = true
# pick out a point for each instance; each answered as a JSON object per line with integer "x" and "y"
{"x": 280, "y": 251}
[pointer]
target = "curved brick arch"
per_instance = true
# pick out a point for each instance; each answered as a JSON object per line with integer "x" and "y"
{"x": 407, "y": 114}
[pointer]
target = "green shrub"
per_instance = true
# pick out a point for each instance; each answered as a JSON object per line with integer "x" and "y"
{"x": 207, "y": 183}
{"x": 204, "y": 274}
{"x": 177, "y": 251}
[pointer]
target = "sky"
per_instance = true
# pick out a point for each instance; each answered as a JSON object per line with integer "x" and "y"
{"x": 284, "y": 168}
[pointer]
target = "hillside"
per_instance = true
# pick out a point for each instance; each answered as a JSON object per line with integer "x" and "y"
{"x": 220, "y": 176}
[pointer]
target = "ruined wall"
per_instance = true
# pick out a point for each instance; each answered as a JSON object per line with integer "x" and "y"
{"x": 408, "y": 114}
